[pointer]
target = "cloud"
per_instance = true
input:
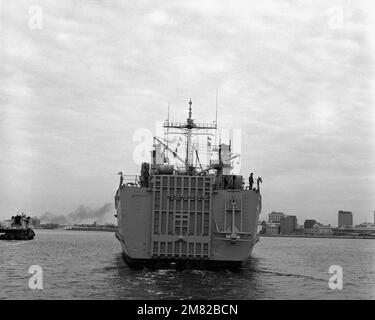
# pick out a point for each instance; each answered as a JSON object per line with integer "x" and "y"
{"x": 160, "y": 18}
{"x": 73, "y": 93}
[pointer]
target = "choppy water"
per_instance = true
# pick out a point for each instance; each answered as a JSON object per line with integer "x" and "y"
{"x": 89, "y": 265}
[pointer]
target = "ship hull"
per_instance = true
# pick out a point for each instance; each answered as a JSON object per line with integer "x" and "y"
{"x": 184, "y": 222}
{"x": 180, "y": 263}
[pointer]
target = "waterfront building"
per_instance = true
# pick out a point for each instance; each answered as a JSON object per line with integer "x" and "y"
{"x": 309, "y": 224}
{"x": 272, "y": 228}
{"x": 360, "y": 231}
{"x": 275, "y": 217}
{"x": 288, "y": 224}
{"x": 345, "y": 218}
{"x": 320, "y": 229}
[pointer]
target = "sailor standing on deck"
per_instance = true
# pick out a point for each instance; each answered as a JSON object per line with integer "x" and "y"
{"x": 121, "y": 178}
{"x": 259, "y": 180}
{"x": 251, "y": 181}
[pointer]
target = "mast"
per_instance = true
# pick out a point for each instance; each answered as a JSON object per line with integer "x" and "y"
{"x": 168, "y": 128}
{"x": 187, "y": 129}
{"x": 189, "y": 154}
{"x": 216, "y": 119}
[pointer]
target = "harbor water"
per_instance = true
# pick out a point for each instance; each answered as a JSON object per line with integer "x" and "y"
{"x": 89, "y": 265}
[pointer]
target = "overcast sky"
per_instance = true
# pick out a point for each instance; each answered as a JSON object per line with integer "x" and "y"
{"x": 295, "y": 76}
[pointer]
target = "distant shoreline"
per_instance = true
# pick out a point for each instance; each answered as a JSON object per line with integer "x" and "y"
{"x": 79, "y": 229}
{"x": 260, "y": 235}
{"x": 315, "y": 236}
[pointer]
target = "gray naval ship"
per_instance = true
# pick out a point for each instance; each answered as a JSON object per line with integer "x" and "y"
{"x": 185, "y": 215}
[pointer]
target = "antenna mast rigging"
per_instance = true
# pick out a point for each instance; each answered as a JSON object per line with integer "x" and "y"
{"x": 187, "y": 128}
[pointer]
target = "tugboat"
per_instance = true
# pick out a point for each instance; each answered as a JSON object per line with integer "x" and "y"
{"x": 18, "y": 228}
{"x": 187, "y": 214}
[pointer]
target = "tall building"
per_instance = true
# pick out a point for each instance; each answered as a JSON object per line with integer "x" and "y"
{"x": 288, "y": 224}
{"x": 345, "y": 218}
{"x": 309, "y": 224}
{"x": 275, "y": 217}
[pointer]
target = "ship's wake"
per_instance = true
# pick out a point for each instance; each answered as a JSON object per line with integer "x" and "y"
{"x": 11, "y": 243}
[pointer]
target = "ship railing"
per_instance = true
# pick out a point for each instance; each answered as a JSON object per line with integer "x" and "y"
{"x": 246, "y": 185}
{"x": 130, "y": 180}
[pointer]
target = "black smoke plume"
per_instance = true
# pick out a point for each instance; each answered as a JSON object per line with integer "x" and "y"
{"x": 49, "y": 217}
{"x": 82, "y": 214}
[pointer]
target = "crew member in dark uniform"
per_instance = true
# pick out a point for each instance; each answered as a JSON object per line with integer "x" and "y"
{"x": 121, "y": 178}
{"x": 251, "y": 181}
{"x": 259, "y": 180}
